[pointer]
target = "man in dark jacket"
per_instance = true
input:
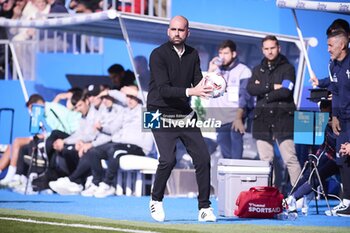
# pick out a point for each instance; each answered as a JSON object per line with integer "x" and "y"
{"x": 175, "y": 76}
{"x": 273, "y": 84}
{"x": 339, "y": 70}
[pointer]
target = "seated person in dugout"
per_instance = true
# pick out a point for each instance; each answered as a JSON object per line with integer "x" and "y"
{"x": 127, "y": 138}
{"x": 95, "y": 130}
{"x": 57, "y": 117}
{"x": 325, "y": 162}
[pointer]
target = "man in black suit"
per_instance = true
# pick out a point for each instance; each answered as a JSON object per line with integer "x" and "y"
{"x": 175, "y": 76}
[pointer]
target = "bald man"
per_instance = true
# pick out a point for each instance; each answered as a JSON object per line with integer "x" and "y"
{"x": 175, "y": 76}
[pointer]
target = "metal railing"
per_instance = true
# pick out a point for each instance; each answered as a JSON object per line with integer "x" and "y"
{"x": 5, "y": 65}
{"x": 50, "y": 41}
{"x": 159, "y": 8}
{"x": 11, "y": 65}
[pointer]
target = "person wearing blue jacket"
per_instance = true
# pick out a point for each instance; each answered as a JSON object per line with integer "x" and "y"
{"x": 338, "y": 41}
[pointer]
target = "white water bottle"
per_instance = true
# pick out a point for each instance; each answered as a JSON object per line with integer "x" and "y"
{"x": 292, "y": 215}
{"x": 218, "y": 61}
{"x": 305, "y": 207}
{"x": 282, "y": 216}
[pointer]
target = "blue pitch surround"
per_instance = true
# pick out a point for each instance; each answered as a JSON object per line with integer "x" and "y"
{"x": 178, "y": 210}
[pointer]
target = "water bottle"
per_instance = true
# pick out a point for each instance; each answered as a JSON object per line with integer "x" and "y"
{"x": 292, "y": 215}
{"x": 218, "y": 61}
{"x": 305, "y": 207}
{"x": 282, "y": 216}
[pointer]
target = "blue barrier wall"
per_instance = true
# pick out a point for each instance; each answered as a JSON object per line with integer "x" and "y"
{"x": 12, "y": 97}
{"x": 260, "y": 15}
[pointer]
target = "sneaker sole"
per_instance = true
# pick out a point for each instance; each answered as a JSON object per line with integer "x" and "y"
{"x": 203, "y": 220}
{"x": 62, "y": 190}
{"x": 344, "y": 215}
{"x": 97, "y": 195}
{"x": 157, "y": 220}
{"x": 87, "y": 195}
{"x": 333, "y": 212}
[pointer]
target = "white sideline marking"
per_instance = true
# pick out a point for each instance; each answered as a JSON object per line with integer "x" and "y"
{"x": 75, "y": 225}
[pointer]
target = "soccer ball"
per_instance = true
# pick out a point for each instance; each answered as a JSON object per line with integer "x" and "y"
{"x": 217, "y": 81}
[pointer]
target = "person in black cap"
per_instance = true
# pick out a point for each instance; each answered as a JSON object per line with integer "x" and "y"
{"x": 93, "y": 90}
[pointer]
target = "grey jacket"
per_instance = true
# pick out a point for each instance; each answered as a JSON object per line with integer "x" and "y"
{"x": 85, "y": 132}
{"x": 129, "y": 129}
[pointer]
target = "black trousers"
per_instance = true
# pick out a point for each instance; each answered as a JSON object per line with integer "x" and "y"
{"x": 83, "y": 169}
{"x": 196, "y": 147}
{"x": 22, "y": 167}
{"x": 112, "y": 153}
{"x": 55, "y": 134}
{"x": 70, "y": 155}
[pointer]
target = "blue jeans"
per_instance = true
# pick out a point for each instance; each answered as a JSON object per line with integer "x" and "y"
{"x": 230, "y": 142}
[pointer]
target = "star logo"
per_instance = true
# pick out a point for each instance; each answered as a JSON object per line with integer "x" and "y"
{"x": 151, "y": 120}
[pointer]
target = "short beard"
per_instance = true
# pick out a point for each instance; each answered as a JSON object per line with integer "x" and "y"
{"x": 181, "y": 42}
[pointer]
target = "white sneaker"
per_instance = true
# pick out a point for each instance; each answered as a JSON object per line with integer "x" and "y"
{"x": 90, "y": 191}
{"x": 157, "y": 211}
{"x": 206, "y": 215}
{"x": 333, "y": 212}
{"x": 4, "y": 182}
{"x": 17, "y": 180}
{"x": 11, "y": 172}
{"x": 88, "y": 182}
{"x": 64, "y": 186}
{"x": 292, "y": 204}
{"x": 54, "y": 184}
{"x": 25, "y": 186}
{"x": 104, "y": 190}
{"x": 24, "y": 189}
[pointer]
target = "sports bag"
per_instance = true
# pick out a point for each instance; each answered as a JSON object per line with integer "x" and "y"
{"x": 259, "y": 202}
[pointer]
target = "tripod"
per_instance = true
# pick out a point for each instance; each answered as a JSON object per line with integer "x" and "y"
{"x": 36, "y": 161}
{"x": 36, "y": 125}
{"x": 34, "y": 157}
{"x": 310, "y": 163}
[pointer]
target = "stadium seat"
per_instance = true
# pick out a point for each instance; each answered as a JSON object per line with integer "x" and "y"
{"x": 140, "y": 165}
